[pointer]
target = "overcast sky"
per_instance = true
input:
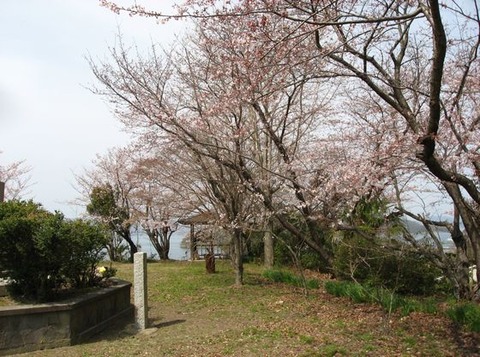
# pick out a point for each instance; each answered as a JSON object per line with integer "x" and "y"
{"x": 48, "y": 117}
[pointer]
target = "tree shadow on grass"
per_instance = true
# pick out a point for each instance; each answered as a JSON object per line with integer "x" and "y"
{"x": 168, "y": 323}
{"x": 127, "y": 328}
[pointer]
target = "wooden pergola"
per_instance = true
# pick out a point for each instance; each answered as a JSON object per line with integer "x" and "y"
{"x": 203, "y": 218}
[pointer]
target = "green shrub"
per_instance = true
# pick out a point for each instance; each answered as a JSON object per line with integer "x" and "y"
{"x": 43, "y": 253}
{"x": 286, "y": 277}
{"x": 254, "y": 249}
{"x": 385, "y": 263}
{"x": 307, "y": 257}
{"x": 85, "y": 241}
{"x": 356, "y": 292}
{"x": 389, "y": 300}
{"x": 409, "y": 305}
{"x": 466, "y": 314}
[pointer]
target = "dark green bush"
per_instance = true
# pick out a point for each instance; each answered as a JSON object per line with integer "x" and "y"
{"x": 85, "y": 241}
{"x": 289, "y": 250}
{"x": 254, "y": 250}
{"x": 385, "y": 263}
{"x": 43, "y": 253}
{"x": 375, "y": 255}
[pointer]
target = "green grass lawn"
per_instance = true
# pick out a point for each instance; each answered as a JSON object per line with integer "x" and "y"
{"x": 192, "y": 313}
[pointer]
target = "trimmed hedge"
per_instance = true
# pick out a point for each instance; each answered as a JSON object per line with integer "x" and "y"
{"x": 43, "y": 253}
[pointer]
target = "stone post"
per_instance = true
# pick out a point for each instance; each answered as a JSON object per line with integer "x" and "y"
{"x": 140, "y": 289}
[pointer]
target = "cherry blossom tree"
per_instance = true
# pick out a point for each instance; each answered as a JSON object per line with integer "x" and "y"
{"x": 16, "y": 179}
{"x": 191, "y": 108}
{"x": 140, "y": 186}
{"x": 106, "y": 189}
{"x": 289, "y": 107}
{"x": 228, "y": 98}
{"x": 410, "y": 68}
{"x": 420, "y": 60}
{"x": 162, "y": 193}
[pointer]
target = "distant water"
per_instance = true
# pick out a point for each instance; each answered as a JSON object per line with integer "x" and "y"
{"x": 178, "y": 253}
{"x": 141, "y": 239}
{"x": 419, "y": 232}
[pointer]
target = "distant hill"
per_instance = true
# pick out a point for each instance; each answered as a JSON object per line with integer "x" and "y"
{"x": 415, "y": 227}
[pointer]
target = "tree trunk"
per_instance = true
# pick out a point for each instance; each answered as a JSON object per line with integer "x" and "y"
{"x": 161, "y": 242}
{"x": 466, "y": 250}
{"x": 193, "y": 244}
{"x": 210, "y": 263}
{"x": 268, "y": 247}
{"x": 152, "y": 236}
{"x": 163, "y": 253}
{"x": 133, "y": 248}
{"x": 237, "y": 259}
{"x": 164, "y": 245}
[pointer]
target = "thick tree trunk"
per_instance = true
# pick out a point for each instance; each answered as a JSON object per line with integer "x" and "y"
{"x": 163, "y": 253}
{"x": 237, "y": 259}
{"x": 210, "y": 263}
{"x": 268, "y": 247}
{"x": 467, "y": 245}
{"x": 161, "y": 243}
{"x": 164, "y": 245}
{"x": 152, "y": 236}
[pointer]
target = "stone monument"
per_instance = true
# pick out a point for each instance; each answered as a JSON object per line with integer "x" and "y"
{"x": 140, "y": 289}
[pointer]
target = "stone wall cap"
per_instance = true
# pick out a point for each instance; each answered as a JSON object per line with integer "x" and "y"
{"x": 66, "y": 304}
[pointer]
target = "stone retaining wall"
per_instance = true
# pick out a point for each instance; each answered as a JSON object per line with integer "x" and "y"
{"x": 26, "y": 328}
{"x": 3, "y": 289}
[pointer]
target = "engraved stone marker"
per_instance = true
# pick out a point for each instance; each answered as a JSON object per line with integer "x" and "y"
{"x": 140, "y": 289}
